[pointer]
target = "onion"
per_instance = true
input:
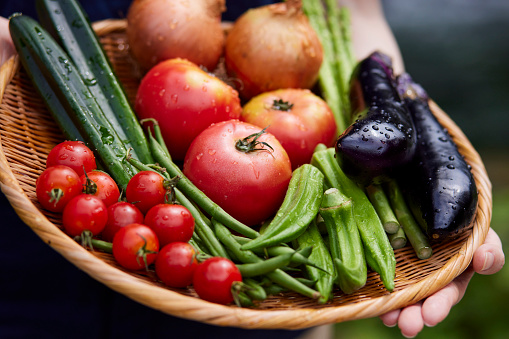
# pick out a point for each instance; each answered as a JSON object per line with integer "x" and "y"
{"x": 164, "y": 29}
{"x": 272, "y": 47}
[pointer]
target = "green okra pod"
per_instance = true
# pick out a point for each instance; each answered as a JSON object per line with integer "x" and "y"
{"x": 321, "y": 256}
{"x": 344, "y": 240}
{"x": 300, "y": 206}
{"x": 376, "y": 243}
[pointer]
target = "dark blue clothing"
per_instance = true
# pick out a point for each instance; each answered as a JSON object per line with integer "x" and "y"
{"x": 42, "y": 295}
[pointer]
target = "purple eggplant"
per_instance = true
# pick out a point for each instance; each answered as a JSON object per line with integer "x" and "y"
{"x": 382, "y": 137}
{"x": 438, "y": 184}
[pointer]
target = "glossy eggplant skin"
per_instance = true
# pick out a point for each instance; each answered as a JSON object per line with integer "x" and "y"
{"x": 381, "y": 137}
{"x": 438, "y": 184}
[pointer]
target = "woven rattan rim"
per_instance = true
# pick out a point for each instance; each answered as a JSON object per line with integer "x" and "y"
{"x": 415, "y": 280}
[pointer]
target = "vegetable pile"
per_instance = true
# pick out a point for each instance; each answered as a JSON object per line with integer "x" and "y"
{"x": 243, "y": 192}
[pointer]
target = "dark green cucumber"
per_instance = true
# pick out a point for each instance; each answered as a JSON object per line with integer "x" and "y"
{"x": 62, "y": 77}
{"x": 69, "y": 24}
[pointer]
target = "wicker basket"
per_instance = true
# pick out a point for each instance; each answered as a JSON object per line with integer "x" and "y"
{"x": 27, "y": 133}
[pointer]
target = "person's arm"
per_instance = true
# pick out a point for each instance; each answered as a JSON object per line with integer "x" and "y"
{"x": 371, "y": 32}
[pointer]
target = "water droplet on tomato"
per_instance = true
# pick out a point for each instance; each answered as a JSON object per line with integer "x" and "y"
{"x": 187, "y": 87}
{"x": 165, "y": 217}
{"x": 174, "y": 98}
{"x": 161, "y": 92}
{"x": 212, "y": 151}
{"x": 198, "y": 156}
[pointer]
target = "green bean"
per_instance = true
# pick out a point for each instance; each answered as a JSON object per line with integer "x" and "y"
{"x": 254, "y": 289}
{"x": 265, "y": 266}
{"x": 299, "y": 258}
{"x": 414, "y": 233}
{"x": 196, "y": 195}
{"x": 202, "y": 228}
{"x": 278, "y": 276}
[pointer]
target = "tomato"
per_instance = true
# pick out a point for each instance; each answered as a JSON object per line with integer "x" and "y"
{"x": 74, "y": 154}
{"x": 120, "y": 214}
{"x": 135, "y": 246}
{"x": 249, "y": 185}
{"x": 146, "y": 189}
{"x": 299, "y": 119}
{"x": 184, "y": 100}
{"x": 103, "y": 186}
{"x": 175, "y": 264}
{"x": 213, "y": 280}
{"x": 56, "y": 186}
{"x": 171, "y": 223}
{"x": 84, "y": 213}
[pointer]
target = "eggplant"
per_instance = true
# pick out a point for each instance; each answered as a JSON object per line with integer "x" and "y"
{"x": 438, "y": 184}
{"x": 382, "y": 137}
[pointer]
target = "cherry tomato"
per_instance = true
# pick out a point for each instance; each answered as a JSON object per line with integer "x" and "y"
{"x": 135, "y": 246}
{"x": 102, "y": 186}
{"x": 120, "y": 214}
{"x": 250, "y": 185}
{"x": 74, "y": 154}
{"x": 213, "y": 279}
{"x": 299, "y": 119}
{"x": 184, "y": 100}
{"x": 171, "y": 223}
{"x": 176, "y": 263}
{"x": 84, "y": 213}
{"x": 56, "y": 186}
{"x": 146, "y": 189}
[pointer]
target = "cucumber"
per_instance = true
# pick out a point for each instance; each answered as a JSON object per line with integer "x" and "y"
{"x": 69, "y": 24}
{"x": 40, "y": 54}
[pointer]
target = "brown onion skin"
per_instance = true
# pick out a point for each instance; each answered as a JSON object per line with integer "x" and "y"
{"x": 272, "y": 47}
{"x": 158, "y": 30}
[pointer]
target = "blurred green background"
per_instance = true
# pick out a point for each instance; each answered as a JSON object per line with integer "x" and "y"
{"x": 459, "y": 51}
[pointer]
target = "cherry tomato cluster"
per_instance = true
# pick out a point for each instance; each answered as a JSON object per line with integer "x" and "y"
{"x": 145, "y": 228}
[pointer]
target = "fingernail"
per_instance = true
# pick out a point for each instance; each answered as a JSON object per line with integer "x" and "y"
{"x": 489, "y": 258}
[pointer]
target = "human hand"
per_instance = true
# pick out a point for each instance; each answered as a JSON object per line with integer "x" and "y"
{"x": 488, "y": 259}
{"x": 6, "y": 46}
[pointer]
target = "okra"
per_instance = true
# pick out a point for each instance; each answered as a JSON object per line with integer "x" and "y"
{"x": 344, "y": 240}
{"x": 379, "y": 252}
{"x": 300, "y": 206}
{"x": 321, "y": 256}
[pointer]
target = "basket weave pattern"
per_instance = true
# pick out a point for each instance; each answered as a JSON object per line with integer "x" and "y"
{"x": 27, "y": 134}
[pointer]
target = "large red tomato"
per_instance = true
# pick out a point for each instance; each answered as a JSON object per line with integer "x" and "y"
{"x": 299, "y": 119}
{"x": 248, "y": 184}
{"x": 184, "y": 100}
